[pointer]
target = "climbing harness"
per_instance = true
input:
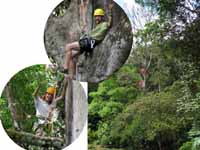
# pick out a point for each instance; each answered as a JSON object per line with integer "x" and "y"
{"x": 92, "y": 42}
{"x": 87, "y": 44}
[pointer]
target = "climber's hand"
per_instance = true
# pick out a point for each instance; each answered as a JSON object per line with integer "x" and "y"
{"x": 110, "y": 6}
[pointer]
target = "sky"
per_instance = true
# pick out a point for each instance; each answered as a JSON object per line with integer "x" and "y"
{"x": 136, "y": 13}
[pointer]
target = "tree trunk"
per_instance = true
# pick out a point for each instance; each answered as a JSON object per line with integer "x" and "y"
{"x": 159, "y": 141}
{"x": 11, "y": 106}
{"x": 79, "y": 109}
{"x": 23, "y": 137}
{"x": 68, "y": 113}
{"x": 75, "y": 111}
{"x": 107, "y": 57}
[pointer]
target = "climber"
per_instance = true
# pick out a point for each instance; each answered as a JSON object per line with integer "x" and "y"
{"x": 46, "y": 107}
{"x": 88, "y": 42}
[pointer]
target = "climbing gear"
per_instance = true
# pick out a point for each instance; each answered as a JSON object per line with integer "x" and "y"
{"x": 99, "y": 12}
{"x": 51, "y": 90}
{"x": 87, "y": 44}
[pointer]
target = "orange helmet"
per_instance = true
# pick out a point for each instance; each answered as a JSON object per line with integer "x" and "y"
{"x": 51, "y": 90}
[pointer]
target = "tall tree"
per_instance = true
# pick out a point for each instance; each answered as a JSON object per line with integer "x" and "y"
{"x": 107, "y": 57}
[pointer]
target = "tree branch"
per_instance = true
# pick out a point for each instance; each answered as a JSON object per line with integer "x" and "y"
{"x": 28, "y": 138}
{"x": 189, "y": 9}
{"x": 68, "y": 113}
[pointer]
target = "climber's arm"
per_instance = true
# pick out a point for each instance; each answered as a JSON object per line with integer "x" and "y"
{"x": 63, "y": 91}
{"x": 35, "y": 93}
{"x": 83, "y": 12}
{"x": 110, "y": 6}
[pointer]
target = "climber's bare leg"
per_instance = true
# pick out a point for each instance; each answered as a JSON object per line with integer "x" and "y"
{"x": 69, "y": 48}
{"x": 72, "y": 50}
{"x": 72, "y": 66}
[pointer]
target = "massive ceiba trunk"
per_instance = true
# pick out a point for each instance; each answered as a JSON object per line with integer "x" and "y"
{"x": 109, "y": 56}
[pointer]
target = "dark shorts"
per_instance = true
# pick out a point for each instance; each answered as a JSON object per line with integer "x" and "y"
{"x": 87, "y": 44}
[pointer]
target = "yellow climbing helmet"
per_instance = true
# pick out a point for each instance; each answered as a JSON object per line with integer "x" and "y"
{"x": 51, "y": 90}
{"x": 99, "y": 12}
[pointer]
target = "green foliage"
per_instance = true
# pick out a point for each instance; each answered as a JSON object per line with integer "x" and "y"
{"x": 196, "y": 144}
{"x": 172, "y": 8}
{"x": 187, "y": 146}
{"x": 109, "y": 100}
{"x": 150, "y": 118}
{"x": 120, "y": 87}
{"x": 166, "y": 115}
{"x": 99, "y": 147}
{"x": 61, "y": 8}
{"x": 155, "y": 52}
{"x": 5, "y": 113}
{"x": 191, "y": 145}
{"x": 189, "y": 42}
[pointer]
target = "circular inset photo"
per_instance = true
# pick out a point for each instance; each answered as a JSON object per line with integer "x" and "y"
{"x": 88, "y": 39}
{"x": 41, "y": 109}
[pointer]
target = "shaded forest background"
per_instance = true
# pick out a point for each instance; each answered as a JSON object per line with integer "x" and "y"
{"x": 153, "y": 101}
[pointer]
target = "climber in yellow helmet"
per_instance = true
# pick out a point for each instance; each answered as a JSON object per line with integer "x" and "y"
{"x": 45, "y": 107}
{"x": 89, "y": 41}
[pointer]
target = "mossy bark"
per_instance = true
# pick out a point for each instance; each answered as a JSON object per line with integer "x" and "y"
{"x": 28, "y": 138}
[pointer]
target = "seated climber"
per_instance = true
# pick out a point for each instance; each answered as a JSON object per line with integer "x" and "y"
{"x": 89, "y": 41}
{"x": 46, "y": 111}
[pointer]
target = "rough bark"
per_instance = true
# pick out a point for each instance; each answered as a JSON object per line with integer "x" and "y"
{"x": 79, "y": 109}
{"x": 28, "y": 138}
{"x": 75, "y": 110}
{"x": 109, "y": 56}
{"x": 68, "y": 113}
